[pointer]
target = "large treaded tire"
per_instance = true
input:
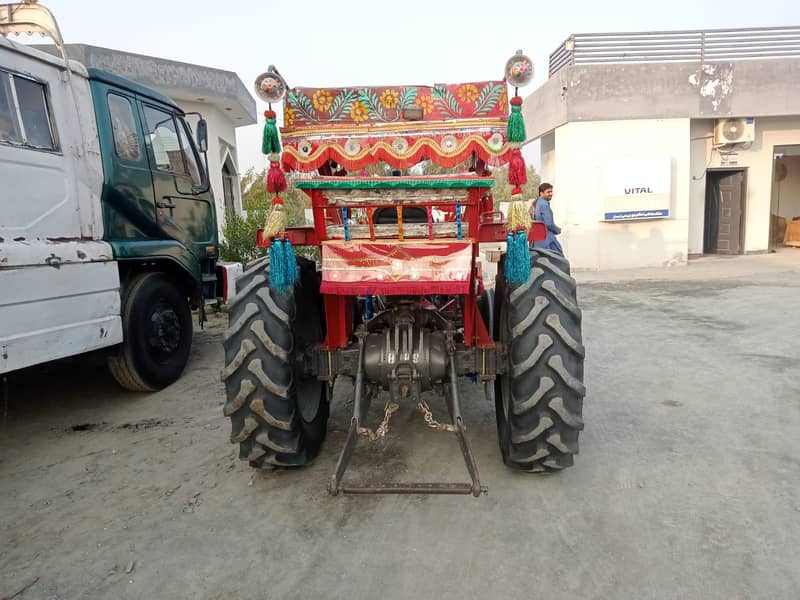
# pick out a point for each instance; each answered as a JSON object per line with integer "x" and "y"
{"x": 157, "y": 334}
{"x": 539, "y": 401}
{"x": 278, "y": 414}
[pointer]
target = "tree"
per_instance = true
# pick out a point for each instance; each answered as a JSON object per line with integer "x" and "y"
{"x": 502, "y": 189}
{"x": 239, "y": 231}
{"x": 256, "y": 197}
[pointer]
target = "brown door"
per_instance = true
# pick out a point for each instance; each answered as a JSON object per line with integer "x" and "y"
{"x": 731, "y": 213}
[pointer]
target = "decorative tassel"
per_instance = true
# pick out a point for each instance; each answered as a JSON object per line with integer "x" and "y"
{"x": 276, "y": 221}
{"x": 276, "y": 180}
{"x": 517, "y": 173}
{"x": 458, "y": 220}
{"x": 400, "y": 223}
{"x": 277, "y": 267}
{"x": 522, "y": 250}
{"x": 270, "y": 141}
{"x": 370, "y": 212}
{"x": 518, "y": 216}
{"x": 346, "y": 223}
{"x": 290, "y": 261}
{"x": 515, "y": 131}
{"x": 518, "y": 258}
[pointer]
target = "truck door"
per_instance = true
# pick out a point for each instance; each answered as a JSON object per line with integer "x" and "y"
{"x": 183, "y": 211}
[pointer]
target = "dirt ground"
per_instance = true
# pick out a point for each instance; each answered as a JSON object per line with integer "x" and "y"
{"x": 687, "y": 485}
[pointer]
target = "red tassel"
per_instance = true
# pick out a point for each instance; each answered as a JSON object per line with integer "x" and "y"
{"x": 276, "y": 180}
{"x": 517, "y": 174}
{"x": 277, "y": 200}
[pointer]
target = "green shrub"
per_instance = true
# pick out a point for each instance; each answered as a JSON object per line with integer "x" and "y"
{"x": 239, "y": 236}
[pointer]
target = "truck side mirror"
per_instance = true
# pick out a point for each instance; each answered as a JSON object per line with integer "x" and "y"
{"x": 202, "y": 136}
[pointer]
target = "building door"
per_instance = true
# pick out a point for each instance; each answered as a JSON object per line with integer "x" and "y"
{"x": 724, "y": 218}
{"x": 785, "y": 204}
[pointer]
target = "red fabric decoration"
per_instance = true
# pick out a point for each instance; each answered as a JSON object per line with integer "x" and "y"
{"x": 395, "y": 288}
{"x": 277, "y": 200}
{"x": 270, "y": 114}
{"x": 516, "y": 191}
{"x": 516, "y": 101}
{"x": 337, "y": 154}
{"x": 517, "y": 174}
{"x": 276, "y": 180}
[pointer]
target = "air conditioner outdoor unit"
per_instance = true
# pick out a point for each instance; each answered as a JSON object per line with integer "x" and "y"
{"x": 735, "y": 131}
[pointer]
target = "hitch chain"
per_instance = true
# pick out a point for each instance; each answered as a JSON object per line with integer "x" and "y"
{"x": 383, "y": 428}
{"x": 427, "y": 415}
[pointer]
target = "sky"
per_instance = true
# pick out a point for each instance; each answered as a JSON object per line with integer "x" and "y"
{"x": 336, "y": 43}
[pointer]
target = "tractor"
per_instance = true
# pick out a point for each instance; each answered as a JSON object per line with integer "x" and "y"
{"x": 395, "y": 300}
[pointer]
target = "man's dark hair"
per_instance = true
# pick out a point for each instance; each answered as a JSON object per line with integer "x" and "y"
{"x": 544, "y": 187}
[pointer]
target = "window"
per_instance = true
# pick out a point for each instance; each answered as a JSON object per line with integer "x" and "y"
{"x": 192, "y": 164}
{"x": 228, "y": 181}
{"x": 123, "y": 125}
{"x": 164, "y": 140}
{"x": 25, "y": 113}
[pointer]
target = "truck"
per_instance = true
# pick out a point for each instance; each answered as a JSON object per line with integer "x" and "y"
{"x": 108, "y": 229}
{"x": 396, "y": 305}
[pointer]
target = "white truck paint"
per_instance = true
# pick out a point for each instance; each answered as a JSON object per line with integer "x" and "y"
{"x": 79, "y": 146}
{"x": 59, "y": 286}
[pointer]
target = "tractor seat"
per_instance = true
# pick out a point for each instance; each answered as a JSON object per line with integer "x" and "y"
{"x": 387, "y": 215}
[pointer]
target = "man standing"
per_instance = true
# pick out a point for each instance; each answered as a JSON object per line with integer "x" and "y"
{"x": 544, "y": 213}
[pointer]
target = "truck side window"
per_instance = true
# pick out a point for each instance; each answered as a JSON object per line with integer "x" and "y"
{"x": 25, "y": 113}
{"x": 164, "y": 140}
{"x": 189, "y": 153}
{"x": 126, "y": 139}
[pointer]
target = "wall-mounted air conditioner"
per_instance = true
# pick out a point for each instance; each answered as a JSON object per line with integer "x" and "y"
{"x": 735, "y": 131}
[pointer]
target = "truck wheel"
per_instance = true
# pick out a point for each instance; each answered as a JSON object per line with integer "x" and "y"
{"x": 157, "y": 334}
{"x": 278, "y": 414}
{"x": 539, "y": 400}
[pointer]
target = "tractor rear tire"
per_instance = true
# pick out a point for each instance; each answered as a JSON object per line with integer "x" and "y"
{"x": 539, "y": 400}
{"x": 278, "y": 414}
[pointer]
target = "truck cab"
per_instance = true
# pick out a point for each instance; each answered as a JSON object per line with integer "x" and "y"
{"x": 108, "y": 231}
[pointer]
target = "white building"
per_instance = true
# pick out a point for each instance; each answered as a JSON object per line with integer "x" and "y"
{"x": 220, "y": 96}
{"x": 670, "y": 145}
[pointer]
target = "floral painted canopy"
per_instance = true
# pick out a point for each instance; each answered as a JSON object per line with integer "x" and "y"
{"x": 356, "y": 127}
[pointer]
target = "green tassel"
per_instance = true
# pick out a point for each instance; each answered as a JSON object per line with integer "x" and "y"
{"x": 516, "y": 125}
{"x": 271, "y": 141}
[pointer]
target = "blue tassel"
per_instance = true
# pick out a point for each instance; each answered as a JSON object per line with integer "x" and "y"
{"x": 458, "y": 220}
{"x": 518, "y": 258}
{"x": 291, "y": 263}
{"x": 346, "y": 222}
{"x": 277, "y": 267}
{"x": 524, "y": 254}
{"x": 368, "y": 306}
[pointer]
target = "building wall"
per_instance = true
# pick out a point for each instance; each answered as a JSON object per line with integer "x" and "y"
{"x": 757, "y": 159}
{"x": 548, "y": 153}
{"x": 579, "y": 179}
{"x": 701, "y": 133}
{"x": 221, "y": 135}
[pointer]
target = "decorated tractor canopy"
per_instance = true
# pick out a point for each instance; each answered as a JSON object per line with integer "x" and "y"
{"x": 396, "y": 301}
{"x": 341, "y": 131}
